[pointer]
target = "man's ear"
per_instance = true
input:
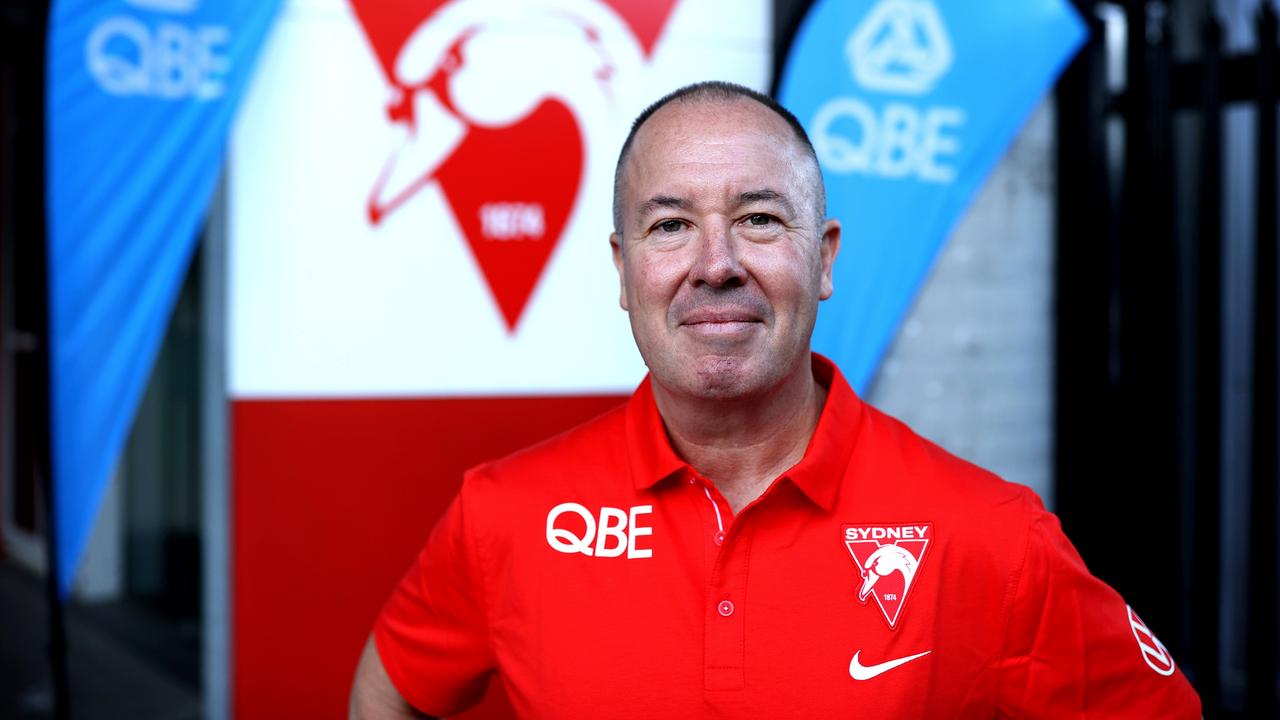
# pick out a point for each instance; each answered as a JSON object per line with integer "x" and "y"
{"x": 828, "y": 248}
{"x": 615, "y": 244}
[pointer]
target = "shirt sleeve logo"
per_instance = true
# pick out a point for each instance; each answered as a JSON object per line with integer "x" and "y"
{"x": 1154, "y": 652}
{"x": 888, "y": 558}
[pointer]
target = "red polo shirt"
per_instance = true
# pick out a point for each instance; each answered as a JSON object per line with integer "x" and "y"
{"x": 600, "y": 576}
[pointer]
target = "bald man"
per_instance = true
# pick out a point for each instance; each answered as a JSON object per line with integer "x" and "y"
{"x": 745, "y": 537}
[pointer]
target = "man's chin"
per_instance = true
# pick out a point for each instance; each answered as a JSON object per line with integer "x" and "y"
{"x": 721, "y": 377}
{"x": 714, "y": 374}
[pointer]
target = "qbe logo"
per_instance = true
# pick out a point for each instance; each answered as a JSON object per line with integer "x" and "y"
{"x": 573, "y": 529}
{"x": 901, "y": 48}
{"x": 159, "y": 53}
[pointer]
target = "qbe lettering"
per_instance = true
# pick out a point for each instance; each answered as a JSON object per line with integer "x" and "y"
{"x": 611, "y": 535}
{"x": 171, "y": 61}
{"x": 899, "y": 141}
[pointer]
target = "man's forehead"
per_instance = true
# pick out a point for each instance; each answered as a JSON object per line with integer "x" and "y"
{"x": 727, "y": 133}
{"x": 700, "y": 141}
{"x": 753, "y": 152}
{"x": 693, "y": 119}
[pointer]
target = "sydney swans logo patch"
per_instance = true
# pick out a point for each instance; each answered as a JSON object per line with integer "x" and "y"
{"x": 490, "y": 107}
{"x": 889, "y": 558}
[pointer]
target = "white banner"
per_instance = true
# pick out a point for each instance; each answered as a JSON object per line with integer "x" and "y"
{"x": 420, "y": 206}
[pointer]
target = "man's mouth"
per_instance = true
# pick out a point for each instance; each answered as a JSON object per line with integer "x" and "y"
{"x": 726, "y": 321}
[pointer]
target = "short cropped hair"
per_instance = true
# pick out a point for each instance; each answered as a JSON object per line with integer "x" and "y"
{"x": 714, "y": 90}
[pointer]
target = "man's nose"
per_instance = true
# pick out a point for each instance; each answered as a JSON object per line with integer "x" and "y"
{"x": 717, "y": 263}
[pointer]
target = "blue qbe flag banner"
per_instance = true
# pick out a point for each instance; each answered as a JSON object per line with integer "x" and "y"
{"x": 139, "y": 100}
{"x": 909, "y": 104}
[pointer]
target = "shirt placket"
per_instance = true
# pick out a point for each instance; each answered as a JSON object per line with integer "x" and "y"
{"x": 726, "y": 602}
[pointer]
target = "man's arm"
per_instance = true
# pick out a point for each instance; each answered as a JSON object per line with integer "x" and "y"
{"x": 1073, "y": 646}
{"x": 373, "y": 696}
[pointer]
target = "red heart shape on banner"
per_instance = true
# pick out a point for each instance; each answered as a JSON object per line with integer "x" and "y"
{"x": 512, "y": 189}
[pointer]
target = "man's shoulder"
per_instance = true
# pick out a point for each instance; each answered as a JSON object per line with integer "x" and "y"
{"x": 904, "y": 464}
{"x": 981, "y": 522}
{"x": 596, "y": 447}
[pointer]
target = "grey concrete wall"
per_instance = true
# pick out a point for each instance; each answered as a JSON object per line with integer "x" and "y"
{"x": 972, "y": 366}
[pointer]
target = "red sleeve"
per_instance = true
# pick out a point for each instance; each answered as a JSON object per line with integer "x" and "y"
{"x": 433, "y": 633}
{"x": 1075, "y": 649}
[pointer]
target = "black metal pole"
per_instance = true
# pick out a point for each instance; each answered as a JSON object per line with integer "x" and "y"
{"x": 787, "y": 16}
{"x": 1207, "y": 414}
{"x": 1261, "y": 691}
{"x": 1142, "y": 473}
{"x": 37, "y": 226}
{"x": 1083, "y": 238}
{"x": 57, "y": 621}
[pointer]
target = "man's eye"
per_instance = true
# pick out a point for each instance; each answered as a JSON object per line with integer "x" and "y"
{"x": 760, "y": 219}
{"x": 670, "y": 226}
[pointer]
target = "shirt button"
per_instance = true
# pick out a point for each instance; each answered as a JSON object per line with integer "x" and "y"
{"x": 725, "y": 608}
{"x": 719, "y": 538}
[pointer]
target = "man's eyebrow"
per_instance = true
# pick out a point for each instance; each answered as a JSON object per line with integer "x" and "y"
{"x": 658, "y": 202}
{"x": 766, "y": 195}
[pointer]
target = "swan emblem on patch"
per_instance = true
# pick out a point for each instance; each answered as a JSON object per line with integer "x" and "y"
{"x": 888, "y": 558}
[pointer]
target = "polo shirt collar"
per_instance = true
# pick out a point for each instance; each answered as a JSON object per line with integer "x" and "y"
{"x": 818, "y": 474}
{"x": 648, "y": 447}
{"x": 821, "y": 471}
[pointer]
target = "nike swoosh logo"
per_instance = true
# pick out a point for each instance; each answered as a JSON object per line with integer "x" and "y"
{"x": 858, "y": 671}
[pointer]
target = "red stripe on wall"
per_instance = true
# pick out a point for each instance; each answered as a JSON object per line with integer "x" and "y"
{"x": 332, "y": 499}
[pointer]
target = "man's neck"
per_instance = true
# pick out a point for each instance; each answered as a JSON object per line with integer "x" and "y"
{"x": 742, "y": 445}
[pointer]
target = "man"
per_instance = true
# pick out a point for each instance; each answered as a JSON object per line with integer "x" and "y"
{"x": 746, "y": 538}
